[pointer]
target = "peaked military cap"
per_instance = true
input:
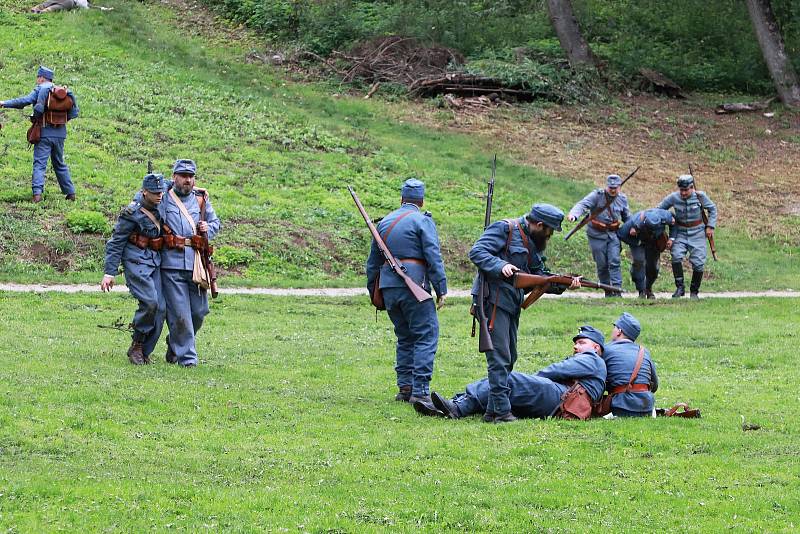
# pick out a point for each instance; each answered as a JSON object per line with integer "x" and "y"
{"x": 184, "y": 166}
{"x": 45, "y": 72}
{"x": 629, "y": 325}
{"x": 413, "y": 189}
{"x": 613, "y": 180}
{"x": 547, "y": 214}
{"x": 153, "y": 183}
{"x": 685, "y": 180}
{"x": 590, "y": 333}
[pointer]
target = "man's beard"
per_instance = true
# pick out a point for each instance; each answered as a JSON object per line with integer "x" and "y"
{"x": 183, "y": 190}
{"x": 540, "y": 240}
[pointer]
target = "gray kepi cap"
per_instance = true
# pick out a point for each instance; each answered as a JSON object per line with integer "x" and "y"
{"x": 153, "y": 183}
{"x": 629, "y": 325}
{"x": 613, "y": 180}
{"x": 591, "y": 333}
{"x": 685, "y": 180}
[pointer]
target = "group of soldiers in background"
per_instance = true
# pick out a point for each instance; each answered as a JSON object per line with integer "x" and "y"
{"x": 691, "y": 222}
{"x": 622, "y": 369}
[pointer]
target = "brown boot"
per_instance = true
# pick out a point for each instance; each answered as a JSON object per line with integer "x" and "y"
{"x": 135, "y": 355}
{"x": 70, "y": 197}
{"x": 37, "y": 197}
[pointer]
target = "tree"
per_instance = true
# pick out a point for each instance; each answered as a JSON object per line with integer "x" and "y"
{"x": 569, "y": 34}
{"x": 770, "y": 39}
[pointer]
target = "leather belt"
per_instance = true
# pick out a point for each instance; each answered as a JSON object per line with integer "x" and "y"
{"x": 144, "y": 242}
{"x": 605, "y": 227}
{"x": 690, "y": 224}
{"x": 410, "y": 260}
{"x": 630, "y": 388}
{"x": 172, "y": 241}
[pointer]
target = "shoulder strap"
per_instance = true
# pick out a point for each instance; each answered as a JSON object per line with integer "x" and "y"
{"x": 183, "y": 210}
{"x": 201, "y": 203}
{"x": 385, "y": 236}
{"x": 151, "y": 217}
{"x": 638, "y": 365}
{"x": 515, "y": 223}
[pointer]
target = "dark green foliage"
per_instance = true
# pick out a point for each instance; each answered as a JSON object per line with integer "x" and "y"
{"x": 227, "y": 256}
{"x": 83, "y": 222}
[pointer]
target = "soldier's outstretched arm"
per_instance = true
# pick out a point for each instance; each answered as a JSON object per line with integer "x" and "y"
{"x": 586, "y": 204}
{"x": 21, "y": 102}
{"x": 667, "y": 202}
{"x": 572, "y": 368}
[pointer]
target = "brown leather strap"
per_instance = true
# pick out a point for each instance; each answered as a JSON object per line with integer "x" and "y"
{"x": 151, "y": 217}
{"x": 385, "y": 236}
{"x": 629, "y": 388}
{"x": 639, "y": 360}
{"x": 410, "y": 260}
{"x": 183, "y": 209}
{"x": 604, "y": 227}
{"x": 691, "y": 224}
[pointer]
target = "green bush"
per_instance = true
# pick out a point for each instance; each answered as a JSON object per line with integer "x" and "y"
{"x": 227, "y": 256}
{"x": 87, "y": 222}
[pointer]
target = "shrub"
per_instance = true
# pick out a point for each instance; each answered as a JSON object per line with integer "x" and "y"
{"x": 87, "y": 222}
{"x": 227, "y": 256}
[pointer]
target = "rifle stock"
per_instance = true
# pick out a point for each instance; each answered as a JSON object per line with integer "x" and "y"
{"x": 485, "y": 337}
{"x": 592, "y": 214}
{"x": 704, "y": 215}
{"x": 206, "y": 252}
{"x": 539, "y": 283}
{"x": 420, "y": 294}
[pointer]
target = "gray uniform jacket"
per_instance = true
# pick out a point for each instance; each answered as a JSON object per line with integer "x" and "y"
{"x": 119, "y": 249}
{"x": 171, "y": 216}
{"x": 617, "y": 211}
{"x": 38, "y": 99}
{"x": 620, "y": 357}
{"x": 688, "y": 212}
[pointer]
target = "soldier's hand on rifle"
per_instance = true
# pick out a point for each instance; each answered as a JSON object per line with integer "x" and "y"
{"x": 509, "y": 270}
{"x": 633, "y": 232}
{"x": 107, "y": 283}
{"x": 709, "y": 232}
{"x": 440, "y": 301}
{"x": 576, "y": 282}
{"x": 669, "y": 242}
{"x": 202, "y": 226}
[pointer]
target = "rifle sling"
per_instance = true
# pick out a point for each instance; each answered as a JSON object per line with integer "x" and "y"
{"x": 512, "y": 223}
{"x": 150, "y": 216}
{"x": 630, "y": 386}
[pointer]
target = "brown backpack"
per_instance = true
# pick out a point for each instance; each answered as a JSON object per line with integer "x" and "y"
{"x": 59, "y": 103}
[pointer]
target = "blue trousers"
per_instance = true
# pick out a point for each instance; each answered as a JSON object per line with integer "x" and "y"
{"x": 644, "y": 268}
{"x": 500, "y": 361}
{"x": 694, "y": 247}
{"x": 187, "y": 306}
{"x": 50, "y": 148}
{"x": 530, "y": 396}
{"x": 417, "y": 329}
{"x": 144, "y": 283}
{"x": 606, "y": 254}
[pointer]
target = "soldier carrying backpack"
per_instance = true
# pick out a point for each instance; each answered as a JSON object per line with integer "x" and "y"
{"x": 53, "y": 107}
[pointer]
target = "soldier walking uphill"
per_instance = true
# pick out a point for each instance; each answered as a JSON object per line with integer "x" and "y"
{"x": 506, "y": 247}
{"x": 412, "y": 239}
{"x": 644, "y": 232}
{"x": 690, "y": 232}
{"x": 136, "y": 242}
{"x": 602, "y": 229}
{"x": 53, "y": 134}
{"x": 185, "y": 212}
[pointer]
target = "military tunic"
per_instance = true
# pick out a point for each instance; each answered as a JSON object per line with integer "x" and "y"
{"x": 689, "y": 236}
{"x": 539, "y": 395}
{"x": 142, "y": 273}
{"x": 187, "y": 303}
{"x": 620, "y": 357}
{"x": 502, "y": 302}
{"x": 414, "y": 242}
{"x": 604, "y": 243}
{"x": 649, "y": 226}
{"x": 51, "y": 145}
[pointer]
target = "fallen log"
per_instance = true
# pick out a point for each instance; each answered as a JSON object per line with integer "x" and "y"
{"x": 737, "y": 107}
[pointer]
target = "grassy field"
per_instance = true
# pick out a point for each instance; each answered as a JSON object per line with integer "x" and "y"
{"x": 275, "y": 155}
{"x": 289, "y": 425}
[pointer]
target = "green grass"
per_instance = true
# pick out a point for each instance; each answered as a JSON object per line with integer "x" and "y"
{"x": 289, "y": 423}
{"x": 275, "y": 155}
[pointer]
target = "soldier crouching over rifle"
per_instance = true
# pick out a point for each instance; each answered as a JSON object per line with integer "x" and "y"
{"x": 136, "y": 242}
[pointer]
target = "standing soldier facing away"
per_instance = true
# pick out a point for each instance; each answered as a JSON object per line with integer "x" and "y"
{"x": 602, "y": 229}
{"x": 506, "y": 247}
{"x": 185, "y": 212}
{"x": 51, "y": 144}
{"x": 690, "y": 232}
{"x": 411, "y": 237}
{"x": 136, "y": 242}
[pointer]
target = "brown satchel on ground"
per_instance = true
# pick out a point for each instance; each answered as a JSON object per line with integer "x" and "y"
{"x": 575, "y": 403}
{"x": 35, "y": 131}
{"x": 673, "y": 412}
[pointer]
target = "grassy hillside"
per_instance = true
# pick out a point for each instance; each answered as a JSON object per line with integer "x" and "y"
{"x": 275, "y": 155}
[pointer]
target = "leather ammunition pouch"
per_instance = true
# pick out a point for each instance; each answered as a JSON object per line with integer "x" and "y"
{"x": 144, "y": 242}
{"x": 691, "y": 224}
{"x": 575, "y": 403}
{"x": 605, "y": 227}
{"x": 661, "y": 242}
{"x": 34, "y": 134}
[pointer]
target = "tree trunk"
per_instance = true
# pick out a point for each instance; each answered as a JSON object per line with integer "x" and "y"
{"x": 772, "y": 48}
{"x": 569, "y": 34}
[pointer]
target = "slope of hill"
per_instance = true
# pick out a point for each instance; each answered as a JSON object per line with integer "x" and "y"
{"x": 276, "y": 156}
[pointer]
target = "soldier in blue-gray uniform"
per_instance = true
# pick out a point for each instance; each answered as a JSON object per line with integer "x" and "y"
{"x": 689, "y": 233}
{"x": 644, "y": 232}
{"x": 411, "y": 236}
{"x": 185, "y": 211}
{"x": 506, "y": 247}
{"x": 51, "y": 145}
{"x": 621, "y": 354}
{"x": 136, "y": 243}
{"x": 536, "y": 395}
{"x": 602, "y": 229}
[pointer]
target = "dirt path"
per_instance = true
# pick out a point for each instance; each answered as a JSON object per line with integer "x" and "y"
{"x": 355, "y": 291}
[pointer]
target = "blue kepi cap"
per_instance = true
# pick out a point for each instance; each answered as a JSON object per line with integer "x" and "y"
{"x": 629, "y": 325}
{"x": 413, "y": 189}
{"x": 547, "y": 214}
{"x": 685, "y": 180}
{"x": 184, "y": 166}
{"x": 613, "y": 180}
{"x": 45, "y": 73}
{"x": 153, "y": 183}
{"x": 590, "y": 332}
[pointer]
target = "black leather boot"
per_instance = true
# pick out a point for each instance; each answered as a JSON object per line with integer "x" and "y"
{"x": 694, "y": 287}
{"x": 677, "y": 272}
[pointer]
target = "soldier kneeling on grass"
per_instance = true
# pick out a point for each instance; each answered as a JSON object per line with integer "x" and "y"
{"x": 136, "y": 243}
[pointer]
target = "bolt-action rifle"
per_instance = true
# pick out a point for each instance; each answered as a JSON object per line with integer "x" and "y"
{"x": 206, "y": 250}
{"x": 485, "y": 339}
{"x": 704, "y": 215}
{"x": 540, "y": 283}
{"x": 594, "y": 213}
{"x": 398, "y": 268}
